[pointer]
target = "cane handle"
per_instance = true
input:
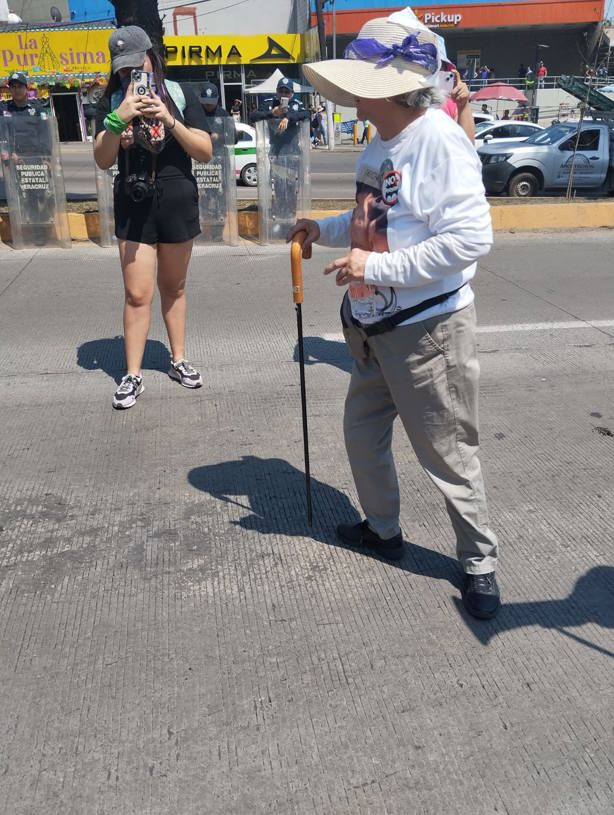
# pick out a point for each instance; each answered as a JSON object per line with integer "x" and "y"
{"x": 296, "y": 255}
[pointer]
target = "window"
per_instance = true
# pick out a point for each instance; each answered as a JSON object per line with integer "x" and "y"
{"x": 587, "y": 143}
{"x": 503, "y": 132}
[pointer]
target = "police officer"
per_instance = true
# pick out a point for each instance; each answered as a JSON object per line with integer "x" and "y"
{"x": 213, "y": 177}
{"x": 19, "y": 102}
{"x": 284, "y": 112}
{"x": 29, "y": 142}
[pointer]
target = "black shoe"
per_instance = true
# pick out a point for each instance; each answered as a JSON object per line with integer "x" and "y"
{"x": 481, "y": 595}
{"x": 360, "y": 535}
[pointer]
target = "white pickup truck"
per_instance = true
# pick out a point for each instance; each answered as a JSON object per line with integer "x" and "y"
{"x": 545, "y": 160}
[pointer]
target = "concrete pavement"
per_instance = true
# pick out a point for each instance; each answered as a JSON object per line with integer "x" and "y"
{"x": 175, "y": 639}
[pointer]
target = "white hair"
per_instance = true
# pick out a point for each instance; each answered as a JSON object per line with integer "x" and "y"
{"x": 422, "y": 98}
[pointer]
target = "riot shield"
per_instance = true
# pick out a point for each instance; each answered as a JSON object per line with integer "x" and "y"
{"x": 104, "y": 190}
{"x": 217, "y": 186}
{"x": 34, "y": 181}
{"x": 284, "y": 178}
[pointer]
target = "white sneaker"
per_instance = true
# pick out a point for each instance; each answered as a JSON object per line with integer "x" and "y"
{"x": 187, "y": 376}
{"x": 129, "y": 388}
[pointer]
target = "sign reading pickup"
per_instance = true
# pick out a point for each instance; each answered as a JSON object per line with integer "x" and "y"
{"x": 437, "y": 18}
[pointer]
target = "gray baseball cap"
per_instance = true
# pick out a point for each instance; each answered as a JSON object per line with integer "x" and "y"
{"x": 128, "y": 47}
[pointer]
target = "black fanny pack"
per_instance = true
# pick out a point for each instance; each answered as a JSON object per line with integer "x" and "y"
{"x": 390, "y": 323}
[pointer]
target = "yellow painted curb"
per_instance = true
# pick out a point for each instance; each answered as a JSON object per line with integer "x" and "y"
{"x": 505, "y": 217}
{"x": 563, "y": 215}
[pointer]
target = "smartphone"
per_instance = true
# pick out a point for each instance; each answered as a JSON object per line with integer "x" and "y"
{"x": 444, "y": 80}
{"x": 140, "y": 82}
{"x": 283, "y": 101}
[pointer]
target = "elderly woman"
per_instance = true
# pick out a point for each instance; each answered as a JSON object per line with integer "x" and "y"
{"x": 420, "y": 223}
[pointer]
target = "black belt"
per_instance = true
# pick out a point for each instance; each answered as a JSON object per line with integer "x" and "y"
{"x": 389, "y": 323}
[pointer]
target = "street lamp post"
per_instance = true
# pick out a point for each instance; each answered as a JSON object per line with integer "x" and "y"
{"x": 330, "y": 107}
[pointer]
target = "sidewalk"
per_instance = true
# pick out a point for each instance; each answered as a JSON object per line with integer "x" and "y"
{"x": 175, "y": 639}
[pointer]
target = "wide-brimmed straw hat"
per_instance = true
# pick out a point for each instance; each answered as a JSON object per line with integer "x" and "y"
{"x": 390, "y": 56}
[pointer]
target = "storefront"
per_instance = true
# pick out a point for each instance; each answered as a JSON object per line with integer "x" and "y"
{"x": 69, "y": 67}
{"x": 502, "y": 35}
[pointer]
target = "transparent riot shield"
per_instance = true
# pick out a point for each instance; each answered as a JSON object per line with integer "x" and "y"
{"x": 217, "y": 186}
{"x": 34, "y": 181}
{"x": 284, "y": 178}
{"x": 104, "y": 190}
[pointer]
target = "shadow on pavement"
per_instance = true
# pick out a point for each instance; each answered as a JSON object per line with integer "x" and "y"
{"x": 108, "y": 355}
{"x": 591, "y": 601}
{"x": 272, "y": 492}
{"x": 329, "y": 352}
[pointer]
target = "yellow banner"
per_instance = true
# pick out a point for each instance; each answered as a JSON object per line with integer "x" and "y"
{"x": 238, "y": 50}
{"x": 55, "y": 52}
{"x": 85, "y": 51}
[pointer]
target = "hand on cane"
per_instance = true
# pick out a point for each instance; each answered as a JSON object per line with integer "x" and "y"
{"x": 311, "y": 230}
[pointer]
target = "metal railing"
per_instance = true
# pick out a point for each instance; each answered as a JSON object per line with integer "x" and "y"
{"x": 550, "y": 81}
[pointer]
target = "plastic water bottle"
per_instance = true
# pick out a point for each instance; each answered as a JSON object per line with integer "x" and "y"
{"x": 362, "y": 299}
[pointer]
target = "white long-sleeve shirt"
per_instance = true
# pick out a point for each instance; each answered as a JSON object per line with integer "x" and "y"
{"x": 422, "y": 211}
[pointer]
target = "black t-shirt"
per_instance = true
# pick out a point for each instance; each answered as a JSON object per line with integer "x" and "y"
{"x": 172, "y": 160}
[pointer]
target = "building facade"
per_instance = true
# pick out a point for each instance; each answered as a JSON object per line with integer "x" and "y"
{"x": 503, "y": 35}
{"x": 66, "y": 63}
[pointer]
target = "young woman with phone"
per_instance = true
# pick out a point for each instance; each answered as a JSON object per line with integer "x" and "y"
{"x": 152, "y": 129}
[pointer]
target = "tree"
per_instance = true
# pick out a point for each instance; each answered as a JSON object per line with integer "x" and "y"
{"x": 143, "y": 13}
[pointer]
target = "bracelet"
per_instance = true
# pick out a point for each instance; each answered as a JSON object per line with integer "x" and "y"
{"x": 172, "y": 127}
{"x": 114, "y": 123}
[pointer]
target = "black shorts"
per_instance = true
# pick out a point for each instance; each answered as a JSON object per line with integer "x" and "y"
{"x": 169, "y": 216}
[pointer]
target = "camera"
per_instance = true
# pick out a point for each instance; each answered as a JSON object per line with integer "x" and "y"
{"x": 140, "y": 83}
{"x": 139, "y": 187}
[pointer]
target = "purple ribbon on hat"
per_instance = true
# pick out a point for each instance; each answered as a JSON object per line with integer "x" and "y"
{"x": 411, "y": 50}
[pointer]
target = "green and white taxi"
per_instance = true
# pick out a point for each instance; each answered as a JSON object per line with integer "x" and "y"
{"x": 245, "y": 155}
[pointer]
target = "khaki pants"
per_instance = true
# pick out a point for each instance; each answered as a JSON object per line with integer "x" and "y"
{"x": 427, "y": 374}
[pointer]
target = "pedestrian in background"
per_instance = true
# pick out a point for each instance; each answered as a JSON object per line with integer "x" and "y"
{"x": 235, "y": 110}
{"x": 365, "y": 131}
{"x": 152, "y": 137}
{"x": 420, "y": 224}
{"x": 484, "y": 75}
{"x": 541, "y": 73}
{"x": 457, "y": 105}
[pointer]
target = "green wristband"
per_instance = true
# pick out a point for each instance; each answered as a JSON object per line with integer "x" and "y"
{"x": 114, "y": 124}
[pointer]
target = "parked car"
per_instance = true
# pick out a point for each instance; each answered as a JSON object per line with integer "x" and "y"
{"x": 545, "y": 160}
{"x": 504, "y": 131}
{"x": 478, "y": 118}
{"x": 245, "y": 155}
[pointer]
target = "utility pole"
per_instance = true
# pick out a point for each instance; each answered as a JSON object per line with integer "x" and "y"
{"x": 330, "y": 122}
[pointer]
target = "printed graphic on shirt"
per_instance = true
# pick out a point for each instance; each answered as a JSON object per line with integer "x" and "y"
{"x": 376, "y": 193}
{"x": 391, "y": 182}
